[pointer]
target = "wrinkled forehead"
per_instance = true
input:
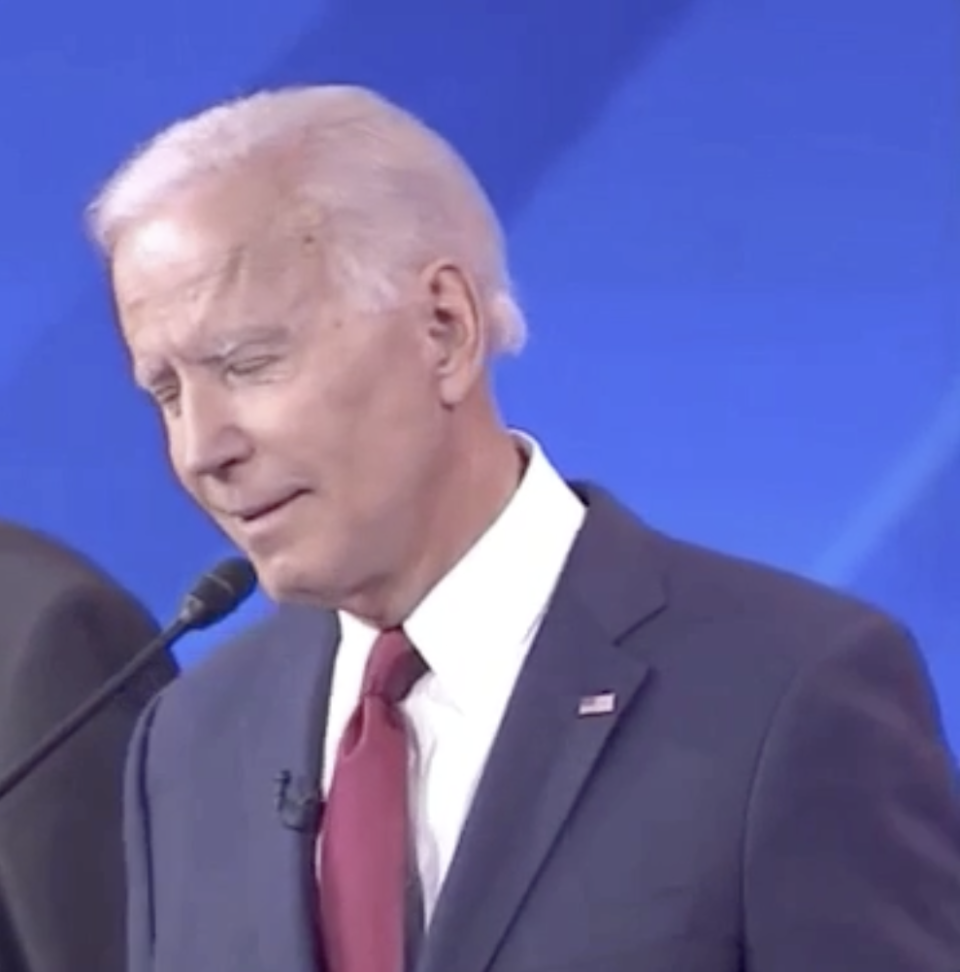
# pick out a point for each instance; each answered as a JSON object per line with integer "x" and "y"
{"x": 194, "y": 244}
{"x": 188, "y": 287}
{"x": 201, "y": 249}
{"x": 171, "y": 259}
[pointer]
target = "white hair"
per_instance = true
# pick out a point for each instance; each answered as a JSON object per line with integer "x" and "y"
{"x": 390, "y": 192}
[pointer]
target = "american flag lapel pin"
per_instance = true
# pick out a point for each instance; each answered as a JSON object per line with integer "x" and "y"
{"x": 601, "y": 704}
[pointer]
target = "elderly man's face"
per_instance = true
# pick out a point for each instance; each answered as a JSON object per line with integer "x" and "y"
{"x": 313, "y": 436}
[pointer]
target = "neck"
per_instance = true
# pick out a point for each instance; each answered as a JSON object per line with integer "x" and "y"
{"x": 482, "y": 478}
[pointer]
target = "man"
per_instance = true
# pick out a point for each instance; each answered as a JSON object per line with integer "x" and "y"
{"x": 532, "y": 732}
{"x": 65, "y": 628}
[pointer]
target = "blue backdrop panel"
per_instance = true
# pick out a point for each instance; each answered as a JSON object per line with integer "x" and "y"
{"x": 735, "y": 226}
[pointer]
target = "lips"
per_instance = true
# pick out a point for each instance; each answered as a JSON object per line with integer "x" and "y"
{"x": 251, "y": 514}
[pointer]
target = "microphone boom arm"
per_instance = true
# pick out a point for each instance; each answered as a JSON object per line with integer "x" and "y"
{"x": 218, "y": 593}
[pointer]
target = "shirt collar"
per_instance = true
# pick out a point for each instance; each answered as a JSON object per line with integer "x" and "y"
{"x": 475, "y": 626}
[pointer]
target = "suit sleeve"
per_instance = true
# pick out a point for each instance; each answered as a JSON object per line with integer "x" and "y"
{"x": 852, "y": 853}
{"x": 61, "y": 854}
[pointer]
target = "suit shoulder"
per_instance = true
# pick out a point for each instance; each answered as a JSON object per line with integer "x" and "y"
{"x": 66, "y": 627}
{"x": 212, "y": 690}
{"x": 53, "y": 593}
{"x": 720, "y": 608}
{"x": 43, "y": 579}
{"x": 734, "y": 618}
{"x": 27, "y": 553}
{"x": 716, "y": 583}
{"x": 748, "y": 630}
{"x": 708, "y": 583}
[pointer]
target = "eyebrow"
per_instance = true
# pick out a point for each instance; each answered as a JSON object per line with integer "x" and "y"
{"x": 153, "y": 372}
{"x": 267, "y": 335}
{"x": 149, "y": 376}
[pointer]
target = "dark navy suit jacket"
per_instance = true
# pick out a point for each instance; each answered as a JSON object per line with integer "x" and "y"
{"x": 65, "y": 629}
{"x": 771, "y": 791}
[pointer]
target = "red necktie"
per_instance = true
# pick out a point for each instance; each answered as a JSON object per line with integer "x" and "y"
{"x": 364, "y": 866}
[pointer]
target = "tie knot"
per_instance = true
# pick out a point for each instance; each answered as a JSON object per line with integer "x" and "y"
{"x": 394, "y": 667}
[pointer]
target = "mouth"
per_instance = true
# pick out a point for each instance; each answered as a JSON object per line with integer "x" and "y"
{"x": 248, "y": 516}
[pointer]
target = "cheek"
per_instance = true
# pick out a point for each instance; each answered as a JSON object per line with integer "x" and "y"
{"x": 398, "y": 442}
{"x": 190, "y": 483}
{"x": 172, "y": 446}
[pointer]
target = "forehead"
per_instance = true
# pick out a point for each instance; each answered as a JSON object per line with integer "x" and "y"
{"x": 197, "y": 245}
{"x": 187, "y": 278}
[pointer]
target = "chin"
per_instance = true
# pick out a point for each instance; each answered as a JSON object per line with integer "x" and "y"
{"x": 288, "y": 580}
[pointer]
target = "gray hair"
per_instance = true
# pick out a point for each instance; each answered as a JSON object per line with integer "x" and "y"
{"x": 359, "y": 164}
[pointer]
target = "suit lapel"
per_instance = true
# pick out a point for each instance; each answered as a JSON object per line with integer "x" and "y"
{"x": 576, "y": 685}
{"x": 284, "y": 732}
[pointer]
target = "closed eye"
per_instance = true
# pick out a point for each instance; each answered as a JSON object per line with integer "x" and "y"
{"x": 166, "y": 400}
{"x": 165, "y": 396}
{"x": 248, "y": 366}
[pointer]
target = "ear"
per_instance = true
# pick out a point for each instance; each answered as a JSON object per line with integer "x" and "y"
{"x": 455, "y": 329}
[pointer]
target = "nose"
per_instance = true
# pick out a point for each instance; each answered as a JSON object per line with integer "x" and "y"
{"x": 207, "y": 438}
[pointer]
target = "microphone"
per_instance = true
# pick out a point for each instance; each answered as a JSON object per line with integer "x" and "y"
{"x": 299, "y": 803}
{"x": 216, "y": 594}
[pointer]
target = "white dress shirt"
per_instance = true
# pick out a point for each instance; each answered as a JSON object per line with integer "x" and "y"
{"x": 474, "y": 630}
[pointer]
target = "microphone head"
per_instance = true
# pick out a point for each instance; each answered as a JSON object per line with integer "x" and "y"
{"x": 217, "y": 593}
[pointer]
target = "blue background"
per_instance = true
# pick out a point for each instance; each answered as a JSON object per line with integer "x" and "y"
{"x": 735, "y": 225}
